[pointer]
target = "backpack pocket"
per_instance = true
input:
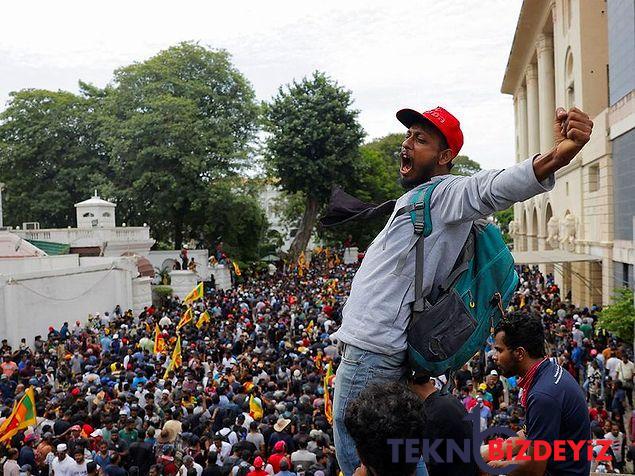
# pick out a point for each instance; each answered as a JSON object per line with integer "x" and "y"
{"x": 440, "y": 331}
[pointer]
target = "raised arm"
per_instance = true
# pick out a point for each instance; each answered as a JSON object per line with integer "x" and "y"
{"x": 464, "y": 199}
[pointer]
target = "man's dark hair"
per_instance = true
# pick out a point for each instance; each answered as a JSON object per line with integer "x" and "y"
{"x": 284, "y": 465}
{"x": 523, "y": 331}
{"x": 380, "y": 413}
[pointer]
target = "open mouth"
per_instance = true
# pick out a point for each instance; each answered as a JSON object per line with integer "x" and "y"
{"x": 406, "y": 163}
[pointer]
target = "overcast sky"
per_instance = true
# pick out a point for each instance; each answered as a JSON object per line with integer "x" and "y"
{"x": 390, "y": 54}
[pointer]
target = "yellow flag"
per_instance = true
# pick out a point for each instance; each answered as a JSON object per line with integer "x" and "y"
{"x": 255, "y": 408}
{"x": 328, "y": 405}
{"x": 203, "y": 318}
{"x": 236, "y": 268}
{"x": 185, "y": 318}
{"x": 176, "y": 360}
{"x": 195, "y": 294}
{"x": 302, "y": 261}
{"x": 159, "y": 343}
{"x": 309, "y": 328}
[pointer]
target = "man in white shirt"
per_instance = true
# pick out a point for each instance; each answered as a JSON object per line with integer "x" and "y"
{"x": 189, "y": 463}
{"x": 611, "y": 365}
{"x": 222, "y": 449}
{"x": 78, "y": 466}
{"x": 302, "y": 459}
{"x": 62, "y": 465}
{"x": 625, "y": 371}
{"x": 618, "y": 442}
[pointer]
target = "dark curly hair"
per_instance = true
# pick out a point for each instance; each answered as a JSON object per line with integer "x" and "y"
{"x": 380, "y": 413}
{"x": 523, "y": 331}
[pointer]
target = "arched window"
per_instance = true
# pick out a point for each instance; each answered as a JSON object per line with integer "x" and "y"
{"x": 88, "y": 215}
{"x": 569, "y": 80}
{"x": 106, "y": 215}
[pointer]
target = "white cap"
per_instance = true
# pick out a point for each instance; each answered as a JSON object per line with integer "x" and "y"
{"x": 61, "y": 447}
{"x": 494, "y": 372}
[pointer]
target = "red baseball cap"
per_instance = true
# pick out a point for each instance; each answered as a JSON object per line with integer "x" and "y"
{"x": 445, "y": 122}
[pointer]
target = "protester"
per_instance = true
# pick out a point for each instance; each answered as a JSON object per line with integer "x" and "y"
{"x": 382, "y": 421}
{"x": 377, "y": 312}
{"x": 553, "y": 400}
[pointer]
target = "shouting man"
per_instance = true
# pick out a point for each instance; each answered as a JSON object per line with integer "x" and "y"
{"x": 375, "y": 318}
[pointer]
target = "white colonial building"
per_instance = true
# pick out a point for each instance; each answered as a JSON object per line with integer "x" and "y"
{"x": 559, "y": 57}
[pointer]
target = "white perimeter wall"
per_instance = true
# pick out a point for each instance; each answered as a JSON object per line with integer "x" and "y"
{"x": 30, "y": 303}
{"x": 11, "y": 266}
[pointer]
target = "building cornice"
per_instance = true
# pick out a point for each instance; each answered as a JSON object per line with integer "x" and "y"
{"x": 530, "y": 24}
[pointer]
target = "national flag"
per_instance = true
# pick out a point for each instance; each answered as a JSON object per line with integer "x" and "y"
{"x": 302, "y": 261}
{"x": 328, "y": 405}
{"x": 247, "y": 386}
{"x": 159, "y": 342}
{"x": 309, "y": 328}
{"x": 185, "y": 318}
{"x": 148, "y": 329}
{"x": 176, "y": 360}
{"x": 22, "y": 416}
{"x": 255, "y": 408}
{"x": 195, "y": 294}
{"x": 202, "y": 319}
{"x": 236, "y": 268}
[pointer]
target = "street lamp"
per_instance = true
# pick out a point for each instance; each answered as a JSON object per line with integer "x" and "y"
{"x": 1, "y": 189}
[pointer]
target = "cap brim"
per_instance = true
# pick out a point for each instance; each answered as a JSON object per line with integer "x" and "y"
{"x": 409, "y": 116}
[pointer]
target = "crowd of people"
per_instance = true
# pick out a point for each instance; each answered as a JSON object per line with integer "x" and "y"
{"x": 248, "y": 395}
{"x": 600, "y": 362}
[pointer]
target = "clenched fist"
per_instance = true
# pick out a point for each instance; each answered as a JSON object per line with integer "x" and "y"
{"x": 572, "y": 130}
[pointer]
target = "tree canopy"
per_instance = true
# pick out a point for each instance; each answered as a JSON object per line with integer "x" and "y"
{"x": 50, "y": 156}
{"x": 164, "y": 140}
{"x": 312, "y": 143}
{"x": 174, "y": 125}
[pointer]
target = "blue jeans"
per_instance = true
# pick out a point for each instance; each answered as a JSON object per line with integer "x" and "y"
{"x": 358, "y": 369}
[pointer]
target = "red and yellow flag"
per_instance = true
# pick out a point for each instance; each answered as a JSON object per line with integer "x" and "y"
{"x": 22, "y": 416}
{"x": 159, "y": 342}
{"x": 328, "y": 405}
{"x": 176, "y": 360}
{"x": 195, "y": 294}
{"x": 185, "y": 318}
{"x": 236, "y": 268}
{"x": 202, "y": 319}
{"x": 309, "y": 328}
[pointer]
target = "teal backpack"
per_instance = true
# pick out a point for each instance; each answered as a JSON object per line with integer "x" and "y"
{"x": 445, "y": 334}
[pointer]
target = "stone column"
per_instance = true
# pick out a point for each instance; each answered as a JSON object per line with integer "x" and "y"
{"x": 533, "y": 119}
{"x": 546, "y": 86}
{"x": 521, "y": 94}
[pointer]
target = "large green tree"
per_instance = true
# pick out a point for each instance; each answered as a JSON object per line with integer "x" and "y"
{"x": 174, "y": 126}
{"x": 312, "y": 143}
{"x": 463, "y": 165}
{"x": 50, "y": 156}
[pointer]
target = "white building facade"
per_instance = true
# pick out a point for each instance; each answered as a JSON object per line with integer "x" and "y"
{"x": 559, "y": 57}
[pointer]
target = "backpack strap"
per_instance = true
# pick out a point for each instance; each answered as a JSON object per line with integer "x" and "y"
{"x": 422, "y": 223}
{"x": 419, "y": 210}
